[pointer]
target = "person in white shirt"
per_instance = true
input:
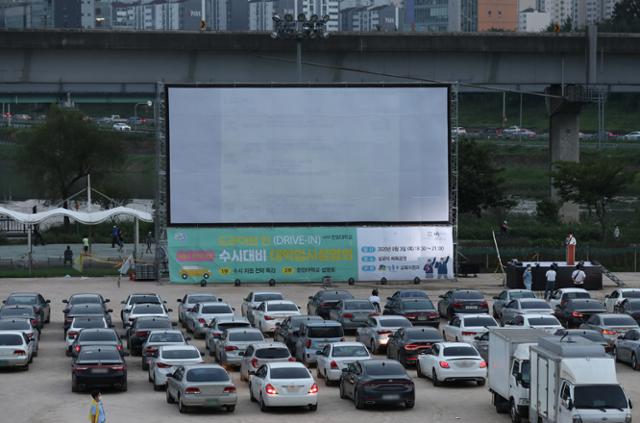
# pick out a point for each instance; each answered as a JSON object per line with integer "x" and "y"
{"x": 578, "y": 276}
{"x": 551, "y": 281}
{"x": 375, "y": 299}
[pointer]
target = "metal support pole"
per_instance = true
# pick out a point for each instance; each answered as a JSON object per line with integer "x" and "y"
{"x": 504, "y": 108}
{"x": 136, "y": 240}
{"x": 89, "y": 193}
{"x": 299, "y": 59}
{"x": 520, "y": 132}
{"x": 30, "y": 253}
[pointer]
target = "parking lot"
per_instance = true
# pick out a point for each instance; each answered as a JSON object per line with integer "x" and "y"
{"x": 44, "y": 392}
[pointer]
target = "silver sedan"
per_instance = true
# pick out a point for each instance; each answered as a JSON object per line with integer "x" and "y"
{"x": 375, "y": 334}
{"x": 202, "y": 385}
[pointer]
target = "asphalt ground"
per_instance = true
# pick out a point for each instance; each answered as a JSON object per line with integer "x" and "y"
{"x": 43, "y": 394}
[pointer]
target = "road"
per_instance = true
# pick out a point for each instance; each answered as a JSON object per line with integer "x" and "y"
{"x": 43, "y": 394}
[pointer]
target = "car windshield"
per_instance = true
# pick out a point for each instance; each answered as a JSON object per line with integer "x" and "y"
{"x": 88, "y": 323}
{"x": 207, "y": 374}
{"x": 98, "y": 336}
{"x": 419, "y": 335}
{"x": 21, "y": 311}
{"x": 86, "y": 309}
{"x": 217, "y": 309}
{"x": 522, "y": 294}
{"x": 245, "y": 336}
{"x": 290, "y": 373}
{"x": 10, "y": 339}
{"x": 335, "y": 295}
{"x": 631, "y": 294}
{"x": 467, "y": 295}
{"x": 325, "y": 332}
{"x": 621, "y": 320}
{"x": 225, "y": 326}
{"x": 591, "y": 335}
{"x": 535, "y": 305}
{"x": 543, "y": 321}
{"x": 14, "y": 325}
{"x": 267, "y": 297}
{"x": 142, "y": 299}
{"x": 21, "y": 299}
{"x": 93, "y": 356}
{"x": 395, "y": 323}
{"x": 148, "y": 309}
{"x": 166, "y": 337}
{"x": 271, "y": 353}
{"x": 153, "y": 324}
{"x": 573, "y": 295}
{"x": 350, "y": 351}
{"x": 479, "y": 321}
{"x": 460, "y": 351}
{"x": 85, "y": 299}
{"x": 282, "y": 307}
{"x": 525, "y": 370}
{"x": 587, "y": 305}
{"x": 180, "y": 354}
{"x": 195, "y": 299}
{"x": 359, "y": 305}
{"x": 389, "y": 368}
{"x": 296, "y": 320}
{"x": 632, "y": 305}
{"x": 418, "y": 305}
{"x": 599, "y": 397}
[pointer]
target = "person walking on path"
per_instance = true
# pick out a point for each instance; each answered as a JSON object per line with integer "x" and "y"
{"x": 114, "y": 236}
{"x": 527, "y": 277}
{"x": 375, "y": 299}
{"x": 578, "y": 276}
{"x": 96, "y": 412}
{"x": 551, "y": 281}
{"x": 149, "y": 241}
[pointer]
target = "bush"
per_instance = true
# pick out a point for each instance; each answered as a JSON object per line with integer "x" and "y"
{"x": 547, "y": 211}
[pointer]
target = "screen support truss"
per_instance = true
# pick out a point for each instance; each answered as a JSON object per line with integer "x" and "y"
{"x": 160, "y": 202}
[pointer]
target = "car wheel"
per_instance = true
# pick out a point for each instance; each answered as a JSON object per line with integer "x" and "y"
{"x": 409, "y": 404}
{"x": 434, "y": 378}
{"x": 515, "y": 416}
{"x": 251, "y": 397}
{"x": 230, "y": 408}
{"x": 74, "y": 385}
{"x": 169, "y": 398}
{"x": 482, "y": 382}
{"x": 242, "y": 378}
{"x": 181, "y": 407}
{"x": 145, "y": 365}
{"x": 634, "y": 362}
{"x": 157, "y": 387}
{"x": 419, "y": 369}
{"x": 211, "y": 352}
{"x": 359, "y": 402}
{"x": 124, "y": 387}
{"x": 343, "y": 394}
{"x": 318, "y": 373}
{"x": 372, "y": 347}
{"x": 615, "y": 353}
{"x": 263, "y": 406}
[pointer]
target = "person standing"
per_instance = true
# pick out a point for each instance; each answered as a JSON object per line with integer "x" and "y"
{"x": 375, "y": 299}
{"x": 578, "y": 276}
{"x": 114, "y": 236}
{"x": 570, "y": 242}
{"x": 551, "y": 281}
{"x": 527, "y": 277}
{"x": 96, "y": 412}
{"x": 616, "y": 232}
{"x": 85, "y": 245}
{"x": 504, "y": 228}
{"x": 149, "y": 241}
{"x": 68, "y": 256}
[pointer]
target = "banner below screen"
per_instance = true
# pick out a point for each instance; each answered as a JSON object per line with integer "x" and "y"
{"x": 307, "y": 254}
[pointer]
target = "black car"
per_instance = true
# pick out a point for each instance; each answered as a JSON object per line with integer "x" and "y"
{"x": 287, "y": 331}
{"x": 41, "y": 306}
{"x": 23, "y": 311}
{"x": 93, "y": 337}
{"x": 138, "y": 332}
{"x": 322, "y": 303}
{"x": 372, "y": 382}
{"x": 630, "y": 307}
{"x": 403, "y": 294}
{"x": 572, "y": 313}
{"x": 407, "y": 343}
{"x": 84, "y": 298}
{"x": 591, "y": 335}
{"x": 86, "y": 310}
{"x": 462, "y": 301}
{"x": 419, "y": 311}
{"x": 99, "y": 366}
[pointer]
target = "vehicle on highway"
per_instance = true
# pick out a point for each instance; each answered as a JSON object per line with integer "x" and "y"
{"x": 574, "y": 312}
{"x": 283, "y": 385}
{"x": 201, "y": 314}
{"x": 167, "y": 358}
{"x": 627, "y": 348}
{"x": 613, "y": 300}
{"x": 457, "y": 301}
{"x": 375, "y": 334}
{"x": 187, "y": 302}
{"x": 610, "y": 325}
{"x": 632, "y": 136}
{"x": 84, "y": 298}
{"x": 458, "y": 130}
{"x": 546, "y": 322}
{"x": 261, "y": 353}
{"x": 22, "y": 311}
{"x": 157, "y": 339}
{"x": 230, "y": 347}
{"x": 78, "y": 324}
{"x": 407, "y": 343}
{"x": 591, "y": 335}
{"x": 404, "y": 294}
{"x": 86, "y": 310}
{"x": 337, "y": 356}
{"x": 524, "y": 306}
{"x": 41, "y": 306}
{"x": 452, "y": 362}
{"x": 374, "y": 382}
{"x": 268, "y": 313}
{"x": 201, "y": 386}
{"x": 562, "y": 295}
{"x": 323, "y": 301}
{"x": 92, "y": 337}
{"x": 287, "y": 331}
{"x": 253, "y": 300}
{"x": 217, "y": 327}
{"x": 313, "y": 336}
{"x": 139, "y": 298}
{"x": 630, "y": 307}
{"x": 146, "y": 310}
{"x": 465, "y": 327}
{"x": 353, "y": 314}
{"x": 98, "y": 367}
{"x": 138, "y": 332}
{"x": 506, "y": 296}
{"x": 22, "y": 325}
{"x": 419, "y": 311}
{"x": 16, "y": 350}
{"x": 121, "y": 127}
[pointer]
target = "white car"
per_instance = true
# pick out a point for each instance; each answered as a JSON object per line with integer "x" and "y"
{"x": 167, "y": 358}
{"x": 268, "y": 313}
{"x": 218, "y": 326}
{"x": 24, "y": 326}
{"x": 375, "y": 334}
{"x": 157, "y": 339}
{"x": 187, "y": 302}
{"x": 147, "y": 310}
{"x": 524, "y": 306}
{"x": 15, "y": 349}
{"x": 546, "y": 322}
{"x": 254, "y": 299}
{"x": 337, "y": 356}
{"x": 261, "y": 353}
{"x": 614, "y": 299}
{"x": 121, "y": 127}
{"x": 79, "y": 323}
{"x": 283, "y": 385}
{"x": 458, "y": 130}
{"x": 632, "y": 136}
{"x": 451, "y": 362}
{"x": 138, "y": 298}
{"x": 465, "y": 327}
{"x": 560, "y": 296}
{"x": 198, "y": 319}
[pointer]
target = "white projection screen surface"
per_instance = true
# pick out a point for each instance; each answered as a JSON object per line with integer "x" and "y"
{"x": 308, "y": 154}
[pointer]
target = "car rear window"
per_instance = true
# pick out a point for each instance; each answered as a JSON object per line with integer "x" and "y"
{"x": 395, "y": 323}
{"x": 98, "y": 336}
{"x": 92, "y": 356}
{"x": 282, "y": 307}
{"x": 207, "y": 375}
{"x": 296, "y": 320}
{"x": 180, "y": 354}
{"x": 17, "y": 312}
{"x": 245, "y": 336}
{"x": 633, "y": 305}
{"x": 86, "y": 309}
{"x": 413, "y": 294}
{"x": 577, "y": 295}
{"x": 216, "y": 309}
{"x": 271, "y": 353}
{"x": 10, "y": 339}
{"x": 333, "y": 296}
{"x": 225, "y": 326}
{"x": 149, "y": 299}
{"x": 85, "y": 299}
{"x": 460, "y": 351}
{"x": 631, "y": 294}
{"x": 479, "y": 321}
{"x": 522, "y": 294}
{"x": 325, "y": 332}
{"x": 20, "y": 299}
{"x": 290, "y": 373}
{"x": 195, "y": 299}
{"x": 154, "y": 324}
{"x": 88, "y": 324}
{"x": 389, "y": 368}
{"x": 591, "y": 335}
{"x": 166, "y": 337}
{"x": 621, "y": 320}
{"x": 14, "y": 325}
{"x": 467, "y": 295}
{"x": 267, "y": 297}
{"x": 418, "y": 305}
{"x": 587, "y": 305}
{"x": 419, "y": 335}
{"x": 543, "y": 321}
{"x": 534, "y": 305}
{"x": 359, "y": 305}
{"x": 350, "y": 351}
{"x": 148, "y": 309}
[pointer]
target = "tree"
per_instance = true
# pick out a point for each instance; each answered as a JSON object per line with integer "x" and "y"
{"x": 480, "y": 181}
{"x": 625, "y": 17}
{"x": 592, "y": 183}
{"x": 60, "y": 153}
{"x": 565, "y": 26}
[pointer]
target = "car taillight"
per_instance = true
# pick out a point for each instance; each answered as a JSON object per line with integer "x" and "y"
{"x": 19, "y": 352}
{"x": 72, "y": 334}
{"x": 141, "y": 333}
{"x": 384, "y": 332}
{"x": 150, "y": 350}
{"x": 270, "y": 389}
{"x": 577, "y": 314}
{"x": 483, "y": 364}
{"x": 202, "y": 321}
{"x": 324, "y": 305}
{"x": 192, "y": 390}
{"x": 163, "y": 365}
{"x": 308, "y": 344}
{"x": 457, "y": 305}
{"x": 347, "y": 315}
{"x": 254, "y": 362}
{"x": 230, "y": 348}
{"x": 411, "y": 347}
{"x": 37, "y": 309}
{"x": 292, "y": 359}
{"x": 410, "y": 315}
{"x": 313, "y": 389}
{"x": 119, "y": 347}
{"x": 444, "y": 364}
{"x": 117, "y": 368}
{"x": 608, "y": 332}
{"x": 334, "y": 365}
{"x": 34, "y": 322}
{"x": 433, "y": 315}
{"x": 468, "y": 333}
{"x": 267, "y": 317}
{"x": 484, "y": 304}
{"x": 80, "y": 369}
{"x": 78, "y": 348}
{"x": 374, "y": 314}
{"x": 229, "y": 389}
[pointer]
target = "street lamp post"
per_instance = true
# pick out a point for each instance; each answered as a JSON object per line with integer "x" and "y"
{"x": 300, "y": 30}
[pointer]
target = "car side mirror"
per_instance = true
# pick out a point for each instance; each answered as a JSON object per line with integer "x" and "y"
{"x": 570, "y": 404}
{"x": 495, "y": 297}
{"x": 122, "y": 302}
{"x": 311, "y": 298}
{"x": 295, "y": 333}
{"x": 170, "y": 375}
{"x": 202, "y": 353}
{"x": 169, "y": 310}
{"x": 107, "y": 300}
{"x": 345, "y": 371}
{"x": 174, "y": 324}
{"x": 48, "y": 301}
{"x": 252, "y": 372}
{"x": 111, "y": 325}
{"x": 630, "y": 404}
{"x": 441, "y": 296}
{"x": 65, "y": 301}
{"x": 65, "y": 311}
{"x": 109, "y": 311}
{"x": 220, "y": 300}
{"x": 278, "y": 324}
{"x": 188, "y": 338}
{"x": 123, "y": 335}
{"x": 179, "y": 300}
{"x": 125, "y": 354}
{"x": 319, "y": 352}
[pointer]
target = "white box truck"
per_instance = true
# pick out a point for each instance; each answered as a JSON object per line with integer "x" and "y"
{"x": 573, "y": 380}
{"x": 509, "y": 375}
